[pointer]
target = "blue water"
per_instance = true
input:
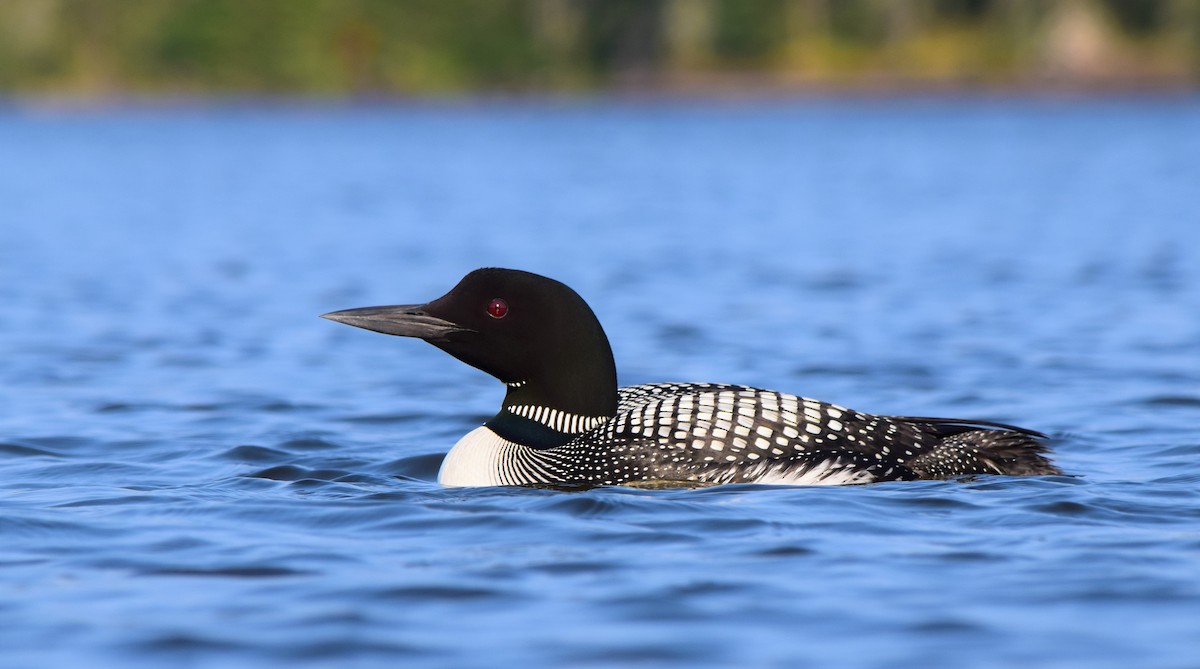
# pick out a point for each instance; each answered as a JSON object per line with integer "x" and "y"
{"x": 196, "y": 471}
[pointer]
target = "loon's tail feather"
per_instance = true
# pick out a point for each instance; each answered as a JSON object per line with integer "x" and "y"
{"x": 947, "y": 426}
{"x": 981, "y": 447}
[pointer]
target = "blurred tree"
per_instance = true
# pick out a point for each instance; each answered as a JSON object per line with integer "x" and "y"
{"x": 749, "y": 33}
{"x": 623, "y": 38}
{"x": 1137, "y": 17}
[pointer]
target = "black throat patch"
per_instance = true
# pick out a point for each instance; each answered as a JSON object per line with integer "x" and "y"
{"x": 526, "y": 432}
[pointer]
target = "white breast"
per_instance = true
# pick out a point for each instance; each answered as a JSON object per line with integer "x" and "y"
{"x": 474, "y": 460}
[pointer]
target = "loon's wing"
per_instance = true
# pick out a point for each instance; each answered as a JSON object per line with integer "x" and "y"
{"x": 979, "y": 447}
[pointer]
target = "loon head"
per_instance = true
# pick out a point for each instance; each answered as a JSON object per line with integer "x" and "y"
{"x": 533, "y": 333}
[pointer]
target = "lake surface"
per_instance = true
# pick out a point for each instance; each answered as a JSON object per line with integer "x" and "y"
{"x": 196, "y": 471}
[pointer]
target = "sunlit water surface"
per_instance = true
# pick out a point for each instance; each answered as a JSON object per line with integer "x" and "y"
{"x": 197, "y": 471}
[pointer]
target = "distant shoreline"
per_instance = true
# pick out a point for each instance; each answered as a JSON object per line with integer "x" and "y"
{"x": 733, "y": 95}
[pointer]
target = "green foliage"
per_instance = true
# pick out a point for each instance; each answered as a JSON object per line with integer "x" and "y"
{"x": 1138, "y": 17}
{"x": 749, "y": 32}
{"x": 339, "y": 47}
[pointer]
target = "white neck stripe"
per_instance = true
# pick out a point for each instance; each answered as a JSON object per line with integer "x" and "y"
{"x": 561, "y": 421}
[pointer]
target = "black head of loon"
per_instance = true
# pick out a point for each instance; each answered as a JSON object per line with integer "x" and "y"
{"x": 565, "y": 422}
{"x": 535, "y": 334}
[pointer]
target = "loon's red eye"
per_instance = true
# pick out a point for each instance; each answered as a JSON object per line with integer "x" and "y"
{"x": 497, "y": 308}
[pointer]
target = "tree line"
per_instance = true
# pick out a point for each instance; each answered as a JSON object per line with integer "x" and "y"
{"x": 420, "y": 47}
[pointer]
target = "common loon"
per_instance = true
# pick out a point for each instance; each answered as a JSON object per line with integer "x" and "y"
{"x": 564, "y": 421}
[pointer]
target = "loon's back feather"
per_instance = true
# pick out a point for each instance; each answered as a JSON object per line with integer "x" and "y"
{"x": 716, "y": 433}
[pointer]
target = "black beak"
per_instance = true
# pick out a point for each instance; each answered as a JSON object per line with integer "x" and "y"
{"x": 404, "y": 320}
